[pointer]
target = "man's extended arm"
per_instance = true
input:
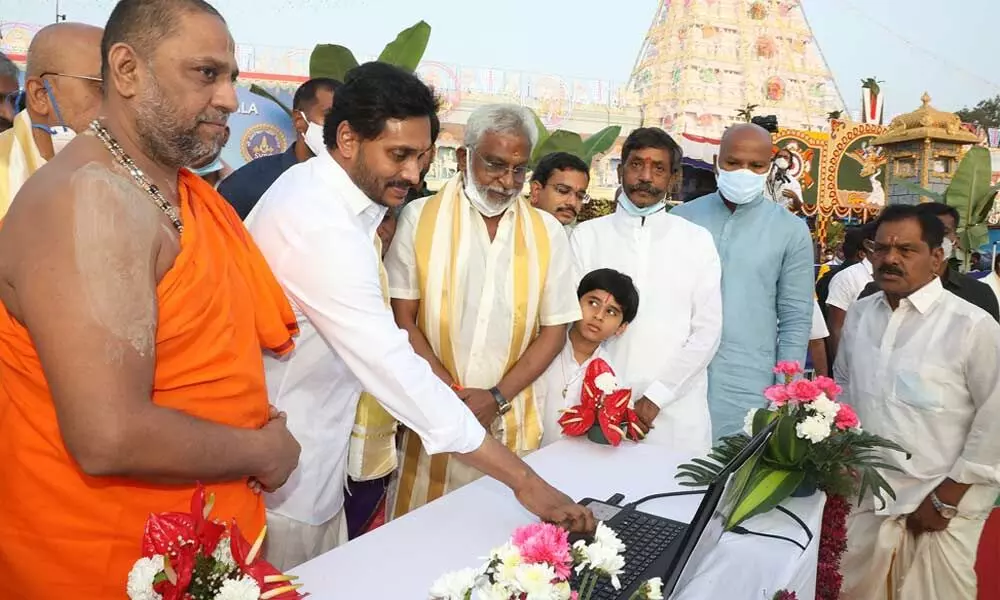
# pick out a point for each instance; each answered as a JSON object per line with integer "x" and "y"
{"x": 87, "y": 295}
{"x": 795, "y": 296}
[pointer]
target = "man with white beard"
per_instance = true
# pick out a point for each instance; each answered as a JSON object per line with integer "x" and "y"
{"x": 483, "y": 283}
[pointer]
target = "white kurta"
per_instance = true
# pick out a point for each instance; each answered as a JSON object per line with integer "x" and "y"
{"x": 847, "y": 285}
{"x": 560, "y": 388}
{"x": 925, "y": 376}
{"x": 665, "y": 352}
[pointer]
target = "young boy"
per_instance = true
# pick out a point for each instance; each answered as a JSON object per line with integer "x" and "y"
{"x": 609, "y": 301}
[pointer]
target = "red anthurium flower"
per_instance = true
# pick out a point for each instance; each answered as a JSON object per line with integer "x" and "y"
{"x": 612, "y": 430}
{"x": 167, "y": 532}
{"x": 616, "y": 403}
{"x": 268, "y": 578}
{"x": 631, "y": 425}
{"x": 179, "y": 568}
{"x": 577, "y": 421}
{"x": 207, "y": 533}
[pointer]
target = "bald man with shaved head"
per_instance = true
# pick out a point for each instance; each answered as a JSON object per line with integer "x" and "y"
{"x": 767, "y": 275}
{"x": 62, "y": 93}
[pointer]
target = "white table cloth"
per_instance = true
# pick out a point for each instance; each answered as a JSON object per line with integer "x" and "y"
{"x": 403, "y": 558}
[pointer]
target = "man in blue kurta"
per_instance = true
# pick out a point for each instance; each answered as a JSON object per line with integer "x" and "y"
{"x": 767, "y": 277}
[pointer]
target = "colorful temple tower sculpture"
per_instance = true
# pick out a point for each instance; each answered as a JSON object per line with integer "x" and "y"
{"x": 923, "y": 147}
{"x": 702, "y": 60}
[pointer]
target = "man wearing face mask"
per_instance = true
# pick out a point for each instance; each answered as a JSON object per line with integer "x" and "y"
{"x": 62, "y": 93}
{"x": 781, "y": 186}
{"x": 767, "y": 277}
{"x": 665, "y": 352}
{"x": 967, "y": 288}
{"x": 244, "y": 188}
{"x": 483, "y": 283}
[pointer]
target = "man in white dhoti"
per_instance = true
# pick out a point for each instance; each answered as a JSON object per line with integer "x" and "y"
{"x": 484, "y": 284}
{"x": 666, "y": 351}
{"x": 919, "y": 364}
{"x": 317, "y": 228}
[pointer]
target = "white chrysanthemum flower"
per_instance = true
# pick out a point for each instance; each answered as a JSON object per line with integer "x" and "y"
{"x": 653, "y": 589}
{"x": 825, "y": 407}
{"x": 535, "y": 580}
{"x": 562, "y": 591}
{"x": 606, "y": 562}
{"x": 454, "y": 586}
{"x": 607, "y": 537}
{"x": 244, "y": 588}
{"x": 495, "y": 591}
{"x": 224, "y": 553}
{"x": 140, "y": 578}
{"x": 814, "y": 428}
{"x": 606, "y": 382}
{"x": 509, "y": 558}
{"x": 748, "y": 421}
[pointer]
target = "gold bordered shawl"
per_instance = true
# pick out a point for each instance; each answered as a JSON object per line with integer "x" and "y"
{"x": 19, "y": 159}
{"x": 442, "y": 230}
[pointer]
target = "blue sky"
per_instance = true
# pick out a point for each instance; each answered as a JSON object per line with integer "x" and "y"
{"x": 914, "y": 45}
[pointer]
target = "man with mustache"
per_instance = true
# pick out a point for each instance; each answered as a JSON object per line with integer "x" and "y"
{"x": 559, "y": 186}
{"x": 317, "y": 227}
{"x": 665, "y": 352}
{"x": 767, "y": 277}
{"x": 134, "y": 311}
{"x": 483, "y": 284}
{"x": 919, "y": 365}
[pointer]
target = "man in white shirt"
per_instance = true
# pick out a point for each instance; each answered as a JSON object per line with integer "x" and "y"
{"x": 817, "y": 342}
{"x": 666, "y": 351}
{"x": 317, "y": 228}
{"x": 845, "y": 287}
{"x": 484, "y": 285}
{"x": 919, "y": 365}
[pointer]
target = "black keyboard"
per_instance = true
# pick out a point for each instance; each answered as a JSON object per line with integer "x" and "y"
{"x": 646, "y": 538}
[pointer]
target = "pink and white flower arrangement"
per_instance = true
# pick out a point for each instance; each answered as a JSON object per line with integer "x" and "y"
{"x": 538, "y": 562}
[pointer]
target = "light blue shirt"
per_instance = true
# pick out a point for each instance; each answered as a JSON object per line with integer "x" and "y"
{"x": 767, "y": 300}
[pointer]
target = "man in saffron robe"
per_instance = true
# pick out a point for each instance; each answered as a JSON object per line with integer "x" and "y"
{"x": 483, "y": 283}
{"x": 132, "y": 324}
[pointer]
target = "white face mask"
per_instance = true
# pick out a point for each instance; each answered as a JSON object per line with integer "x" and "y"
{"x": 781, "y": 163}
{"x": 61, "y": 136}
{"x": 948, "y": 247}
{"x": 477, "y": 197}
{"x": 741, "y": 186}
{"x": 314, "y": 136}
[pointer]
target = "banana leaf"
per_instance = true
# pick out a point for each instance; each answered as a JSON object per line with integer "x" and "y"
{"x": 916, "y": 189}
{"x": 256, "y": 89}
{"x": 968, "y": 192}
{"x": 600, "y": 142}
{"x": 559, "y": 141}
{"x": 331, "y": 60}
{"x": 766, "y": 488}
{"x": 408, "y": 48}
{"x": 543, "y": 136}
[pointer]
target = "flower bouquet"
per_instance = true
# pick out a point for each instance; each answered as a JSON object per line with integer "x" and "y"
{"x": 605, "y": 413}
{"x": 186, "y": 556}
{"x": 817, "y": 443}
{"x": 537, "y": 563}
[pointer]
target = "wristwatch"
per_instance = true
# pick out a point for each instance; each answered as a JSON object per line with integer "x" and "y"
{"x": 945, "y": 510}
{"x": 503, "y": 404}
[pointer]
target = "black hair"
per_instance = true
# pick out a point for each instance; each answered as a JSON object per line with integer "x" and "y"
{"x": 143, "y": 24}
{"x": 372, "y": 94}
{"x": 653, "y": 137}
{"x": 939, "y": 209}
{"x": 558, "y": 161}
{"x": 618, "y": 284}
{"x": 435, "y": 127}
{"x": 854, "y": 240}
{"x": 305, "y": 96}
{"x": 931, "y": 227}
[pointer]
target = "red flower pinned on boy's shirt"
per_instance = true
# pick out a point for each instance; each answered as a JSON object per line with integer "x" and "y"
{"x": 604, "y": 403}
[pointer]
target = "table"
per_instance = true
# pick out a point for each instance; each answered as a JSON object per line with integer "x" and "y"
{"x": 401, "y": 559}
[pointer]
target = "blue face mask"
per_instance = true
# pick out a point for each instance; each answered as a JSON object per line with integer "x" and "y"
{"x": 635, "y": 211}
{"x": 741, "y": 186}
{"x": 215, "y": 165}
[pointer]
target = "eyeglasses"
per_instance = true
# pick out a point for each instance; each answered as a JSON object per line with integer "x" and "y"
{"x": 882, "y": 250}
{"x": 564, "y": 190}
{"x": 92, "y": 79}
{"x": 497, "y": 169}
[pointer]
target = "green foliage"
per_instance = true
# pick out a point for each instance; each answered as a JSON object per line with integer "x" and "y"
{"x": 872, "y": 84}
{"x": 408, "y": 48}
{"x": 834, "y": 115}
{"x": 700, "y": 472}
{"x": 331, "y": 60}
{"x": 561, "y": 140}
{"x": 746, "y": 113}
{"x": 985, "y": 114}
{"x": 256, "y": 89}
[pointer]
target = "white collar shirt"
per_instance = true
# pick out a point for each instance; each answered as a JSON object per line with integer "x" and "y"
{"x": 561, "y": 386}
{"x": 847, "y": 285}
{"x": 317, "y": 230}
{"x": 925, "y": 376}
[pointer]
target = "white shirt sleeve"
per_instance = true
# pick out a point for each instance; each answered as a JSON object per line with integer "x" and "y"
{"x": 333, "y": 279}
{"x": 559, "y": 304}
{"x": 401, "y": 259}
{"x": 980, "y": 459}
{"x": 841, "y": 293}
{"x": 819, "y": 329}
{"x": 706, "y": 327}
